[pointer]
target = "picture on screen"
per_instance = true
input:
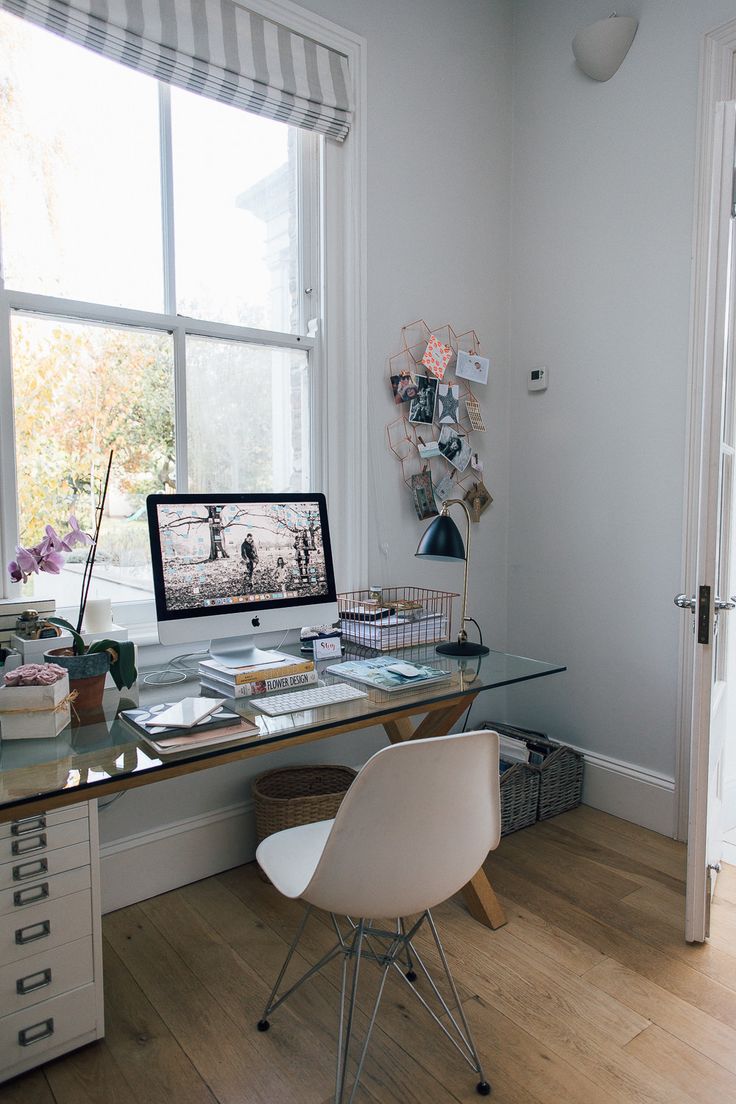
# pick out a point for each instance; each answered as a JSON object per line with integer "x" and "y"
{"x": 238, "y": 553}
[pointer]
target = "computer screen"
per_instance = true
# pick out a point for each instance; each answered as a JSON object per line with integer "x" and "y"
{"x": 232, "y": 565}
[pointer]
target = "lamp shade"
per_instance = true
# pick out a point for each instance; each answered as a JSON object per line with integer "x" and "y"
{"x": 600, "y": 48}
{"x": 441, "y": 540}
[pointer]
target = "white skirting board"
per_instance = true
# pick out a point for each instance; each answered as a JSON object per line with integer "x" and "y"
{"x": 629, "y": 792}
{"x": 143, "y": 865}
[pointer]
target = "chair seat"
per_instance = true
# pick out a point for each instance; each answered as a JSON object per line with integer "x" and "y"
{"x": 289, "y": 858}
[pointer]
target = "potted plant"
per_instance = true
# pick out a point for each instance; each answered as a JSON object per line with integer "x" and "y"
{"x": 87, "y": 664}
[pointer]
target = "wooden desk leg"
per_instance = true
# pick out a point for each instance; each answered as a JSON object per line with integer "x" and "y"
{"x": 483, "y": 904}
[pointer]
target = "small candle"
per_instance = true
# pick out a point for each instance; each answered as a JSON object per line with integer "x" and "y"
{"x": 98, "y": 615}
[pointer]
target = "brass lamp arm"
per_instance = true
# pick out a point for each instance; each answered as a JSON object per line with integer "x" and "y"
{"x": 462, "y": 635}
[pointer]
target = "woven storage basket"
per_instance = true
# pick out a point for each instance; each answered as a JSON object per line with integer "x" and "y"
{"x": 289, "y": 796}
{"x": 519, "y": 797}
{"x": 560, "y": 782}
{"x": 560, "y": 773}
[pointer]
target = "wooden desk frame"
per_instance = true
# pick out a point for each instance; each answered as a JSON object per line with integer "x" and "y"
{"x": 404, "y": 724}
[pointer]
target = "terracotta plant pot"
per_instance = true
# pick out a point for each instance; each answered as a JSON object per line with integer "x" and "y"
{"x": 86, "y": 675}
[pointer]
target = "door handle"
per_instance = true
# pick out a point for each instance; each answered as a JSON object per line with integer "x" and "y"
{"x": 683, "y": 602}
{"x": 725, "y": 603}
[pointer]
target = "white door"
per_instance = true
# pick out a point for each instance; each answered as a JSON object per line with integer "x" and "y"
{"x": 714, "y": 626}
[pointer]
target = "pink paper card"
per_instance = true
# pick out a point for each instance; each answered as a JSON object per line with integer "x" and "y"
{"x": 436, "y": 357}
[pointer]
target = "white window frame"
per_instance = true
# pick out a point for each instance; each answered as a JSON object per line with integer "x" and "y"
{"x": 337, "y": 348}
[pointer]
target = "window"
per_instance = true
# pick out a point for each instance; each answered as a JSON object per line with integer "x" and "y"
{"x": 159, "y": 274}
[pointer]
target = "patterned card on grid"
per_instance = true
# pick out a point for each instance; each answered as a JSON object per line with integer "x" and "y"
{"x": 436, "y": 357}
{"x": 476, "y": 418}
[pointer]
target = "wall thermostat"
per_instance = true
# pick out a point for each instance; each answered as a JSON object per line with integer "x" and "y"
{"x": 537, "y": 379}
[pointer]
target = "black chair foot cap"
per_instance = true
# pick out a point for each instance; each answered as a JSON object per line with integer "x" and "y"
{"x": 410, "y": 975}
{"x": 483, "y": 1088}
{"x": 263, "y": 1025}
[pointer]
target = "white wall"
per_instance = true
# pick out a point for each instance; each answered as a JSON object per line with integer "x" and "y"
{"x": 602, "y": 220}
{"x": 439, "y": 172}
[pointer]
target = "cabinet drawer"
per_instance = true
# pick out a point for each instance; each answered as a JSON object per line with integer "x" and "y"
{"x": 35, "y": 868}
{"x": 35, "y": 838}
{"x": 56, "y": 816}
{"x": 46, "y": 975}
{"x": 39, "y": 927}
{"x": 28, "y": 1034}
{"x": 20, "y": 897}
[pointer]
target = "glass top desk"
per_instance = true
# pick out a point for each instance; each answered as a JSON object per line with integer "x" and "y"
{"x": 103, "y": 755}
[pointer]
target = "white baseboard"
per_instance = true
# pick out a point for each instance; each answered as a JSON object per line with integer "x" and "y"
{"x": 629, "y": 792}
{"x": 156, "y": 861}
{"x": 148, "y": 863}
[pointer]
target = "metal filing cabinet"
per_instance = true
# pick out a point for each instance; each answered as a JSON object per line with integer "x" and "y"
{"x": 51, "y": 995}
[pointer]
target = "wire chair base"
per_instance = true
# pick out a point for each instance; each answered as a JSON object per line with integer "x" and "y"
{"x": 388, "y": 950}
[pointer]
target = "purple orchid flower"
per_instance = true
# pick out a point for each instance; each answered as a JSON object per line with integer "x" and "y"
{"x": 75, "y": 534}
{"x": 52, "y": 542}
{"x": 48, "y": 554}
{"x": 26, "y": 562}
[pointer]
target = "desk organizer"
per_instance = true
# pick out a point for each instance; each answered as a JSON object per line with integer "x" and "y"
{"x": 401, "y": 617}
{"x": 560, "y": 773}
{"x": 290, "y": 796}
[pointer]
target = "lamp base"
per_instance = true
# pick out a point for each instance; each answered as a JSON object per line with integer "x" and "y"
{"x": 467, "y": 648}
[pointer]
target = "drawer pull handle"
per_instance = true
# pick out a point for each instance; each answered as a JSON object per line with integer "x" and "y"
{"x": 31, "y": 894}
{"x": 28, "y": 824}
{"x": 36, "y": 1032}
{"x": 33, "y": 932}
{"x": 30, "y": 869}
{"x": 32, "y": 982}
{"x": 25, "y": 846}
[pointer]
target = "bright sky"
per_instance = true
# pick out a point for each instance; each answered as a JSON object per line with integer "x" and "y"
{"x": 87, "y": 181}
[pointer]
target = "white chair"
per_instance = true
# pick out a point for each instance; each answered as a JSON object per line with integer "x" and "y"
{"x": 414, "y": 827}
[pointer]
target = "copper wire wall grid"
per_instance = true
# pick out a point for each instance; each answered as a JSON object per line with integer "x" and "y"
{"x": 405, "y": 438}
{"x": 401, "y": 617}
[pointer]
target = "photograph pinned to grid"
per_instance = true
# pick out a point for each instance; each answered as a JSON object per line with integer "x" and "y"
{"x": 478, "y": 498}
{"x": 455, "y": 447}
{"x": 444, "y": 488}
{"x": 474, "y": 415}
{"x": 448, "y": 403}
{"x": 423, "y": 495}
{"x": 404, "y": 388}
{"x": 421, "y": 409}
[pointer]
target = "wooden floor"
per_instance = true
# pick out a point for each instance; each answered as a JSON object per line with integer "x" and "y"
{"x": 588, "y": 996}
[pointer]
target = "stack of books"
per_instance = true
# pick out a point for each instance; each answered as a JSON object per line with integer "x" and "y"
{"x": 221, "y": 726}
{"x": 286, "y": 673}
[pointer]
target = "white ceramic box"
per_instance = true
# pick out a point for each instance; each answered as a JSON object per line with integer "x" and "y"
{"x": 34, "y": 712}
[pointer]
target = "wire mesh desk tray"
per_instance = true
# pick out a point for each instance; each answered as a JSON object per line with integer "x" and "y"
{"x": 560, "y": 769}
{"x": 401, "y": 617}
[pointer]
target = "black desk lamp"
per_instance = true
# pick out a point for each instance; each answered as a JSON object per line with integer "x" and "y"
{"x": 442, "y": 541}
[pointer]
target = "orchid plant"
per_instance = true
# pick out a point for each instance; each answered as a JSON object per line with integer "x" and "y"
{"x": 49, "y": 556}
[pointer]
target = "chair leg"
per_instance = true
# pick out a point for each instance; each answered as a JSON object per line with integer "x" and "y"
{"x": 397, "y": 951}
{"x": 272, "y": 1004}
{"x": 483, "y": 1087}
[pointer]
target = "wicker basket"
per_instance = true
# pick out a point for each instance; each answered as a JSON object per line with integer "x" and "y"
{"x": 519, "y": 797}
{"x": 560, "y": 773}
{"x": 560, "y": 782}
{"x": 289, "y": 796}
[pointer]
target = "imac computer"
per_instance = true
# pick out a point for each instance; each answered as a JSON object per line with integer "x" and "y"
{"x": 227, "y": 567}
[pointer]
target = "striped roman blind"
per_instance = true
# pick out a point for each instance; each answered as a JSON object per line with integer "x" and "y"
{"x": 215, "y": 47}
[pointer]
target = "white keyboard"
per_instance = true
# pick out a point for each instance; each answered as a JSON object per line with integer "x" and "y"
{"x": 278, "y": 704}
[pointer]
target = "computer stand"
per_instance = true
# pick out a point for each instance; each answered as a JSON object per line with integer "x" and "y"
{"x": 240, "y": 651}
